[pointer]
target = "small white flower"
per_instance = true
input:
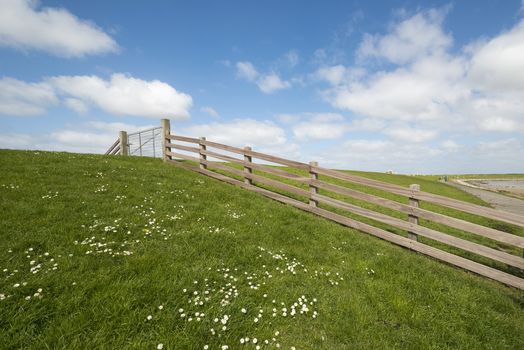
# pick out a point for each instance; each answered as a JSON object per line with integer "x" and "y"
{"x": 160, "y": 346}
{"x": 149, "y": 317}
{"x": 206, "y": 347}
{"x": 243, "y": 311}
{"x": 160, "y": 307}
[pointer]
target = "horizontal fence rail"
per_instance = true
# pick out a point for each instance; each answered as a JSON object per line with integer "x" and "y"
{"x": 311, "y": 188}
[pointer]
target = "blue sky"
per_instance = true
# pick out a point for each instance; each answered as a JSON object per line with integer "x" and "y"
{"x": 414, "y": 87}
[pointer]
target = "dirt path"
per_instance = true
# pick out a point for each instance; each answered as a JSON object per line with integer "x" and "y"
{"x": 498, "y": 201}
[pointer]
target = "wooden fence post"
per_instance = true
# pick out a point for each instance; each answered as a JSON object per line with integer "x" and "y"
{"x": 124, "y": 147}
{"x": 313, "y": 189}
{"x": 166, "y": 131}
{"x": 203, "y": 157}
{"x": 247, "y": 168}
{"x": 414, "y": 203}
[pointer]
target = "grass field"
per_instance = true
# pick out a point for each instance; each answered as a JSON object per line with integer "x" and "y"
{"x": 110, "y": 252}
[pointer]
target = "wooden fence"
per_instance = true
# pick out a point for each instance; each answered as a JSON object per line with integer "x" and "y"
{"x": 319, "y": 190}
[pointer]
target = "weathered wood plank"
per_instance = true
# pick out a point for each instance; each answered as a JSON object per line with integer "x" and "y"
{"x": 182, "y": 148}
{"x": 183, "y": 138}
{"x": 278, "y": 160}
{"x": 453, "y": 241}
{"x": 225, "y": 147}
{"x": 279, "y": 172}
{"x": 112, "y": 147}
{"x": 182, "y": 156}
{"x": 278, "y": 185}
{"x": 223, "y": 157}
{"x": 222, "y": 166}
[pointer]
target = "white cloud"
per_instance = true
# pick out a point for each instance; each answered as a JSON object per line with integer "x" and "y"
{"x": 19, "y": 98}
{"x": 422, "y": 82}
{"x": 125, "y": 95}
{"x": 318, "y": 131}
{"x": 378, "y": 155}
{"x": 333, "y": 75}
{"x": 76, "y": 105}
{"x": 54, "y": 30}
{"x": 407, "y": 134}
{"x": 210, "y": 111}
{"x": 16, "y": 141}
{"x": 246, "y": 70}
{"x": 418, "y": 36}
{"x": 292, "y": 58}
{"x": 271, "y": 83}
{"x": 498, "y": 65}
{"x": 500, "y": 156}
{"x": 267, "y": 83}
{"x": 240, "y": 132}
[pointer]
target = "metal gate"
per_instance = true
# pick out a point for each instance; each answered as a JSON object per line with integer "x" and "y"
{"x": 146, "y": 143}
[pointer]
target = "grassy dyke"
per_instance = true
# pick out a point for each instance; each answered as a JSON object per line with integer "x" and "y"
{"x": 129, "y": 235}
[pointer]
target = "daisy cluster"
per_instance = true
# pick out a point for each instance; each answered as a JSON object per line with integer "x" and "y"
{"x": 101, "y": 188}
{"x": 50, "y": 195}
{"x": 10, "y": 186}
{"x": 35, "y": 263}
{"x": 294, "y": 267}
{"x": 233, "y": 213}
{"x": 217, "y": 304}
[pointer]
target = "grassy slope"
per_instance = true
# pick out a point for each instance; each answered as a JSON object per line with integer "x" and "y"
{"x": 386, "y": 297}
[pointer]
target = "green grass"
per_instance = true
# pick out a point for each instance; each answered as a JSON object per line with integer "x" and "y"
{"x": 182, "y": 227}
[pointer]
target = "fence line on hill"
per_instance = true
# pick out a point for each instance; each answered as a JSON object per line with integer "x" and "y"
{"x": 318, "y": 197}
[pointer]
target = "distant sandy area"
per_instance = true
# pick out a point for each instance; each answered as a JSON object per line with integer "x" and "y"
{"x": 502, "y": 196}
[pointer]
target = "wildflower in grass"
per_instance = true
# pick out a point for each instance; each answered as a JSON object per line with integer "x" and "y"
{"x": 160, "y": 307}
{"x": 255, "y": 340}
{"x": 16, "y": 285}
{"x": 225, "y": 347}
{"x": 160, "y": 346}
{"x": 206, "y": 347}
{"x": 149, "y": 317}
{"x": 243, "y": 311}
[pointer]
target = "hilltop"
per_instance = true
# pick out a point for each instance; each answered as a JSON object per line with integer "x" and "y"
{"x": 126, "y": 252}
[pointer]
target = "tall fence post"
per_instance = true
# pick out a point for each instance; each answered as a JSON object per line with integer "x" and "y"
{"x": 203, "y": 157}
{"x": 166, "y": 132}
{"x": 414, "y": 203}
{"x": 313, "y": 189}
{"x": 247, "y": 168}
{"x": 124, "y": 147}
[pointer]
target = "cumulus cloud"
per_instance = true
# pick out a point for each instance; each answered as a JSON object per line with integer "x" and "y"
{"x": 120, "y": 95}
{"x": 422, "y": 82}
{"x": 240, "y": 132}
{"x": 408, "y": 134}
{"x": 497, "y": 65}
{"x": 20, "y": 98}
{"x": 271, "y": 83}
{"x": 210, "y": 111}
{"x": 418, "y": 36}
{"x": 125, "y": 95}
{"x": 267, "y": 83}
{"x": 23, "y": 25}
